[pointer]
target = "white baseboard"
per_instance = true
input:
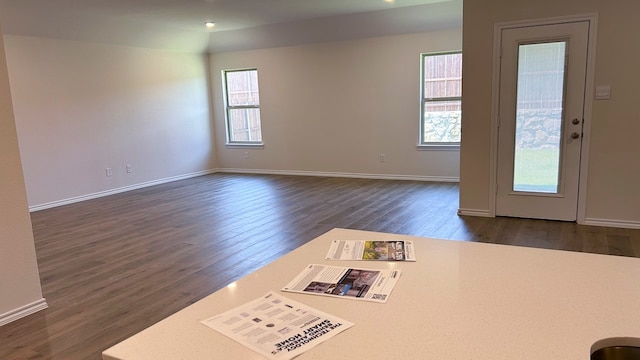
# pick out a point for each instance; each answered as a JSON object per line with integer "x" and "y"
{"x": 23, "y": 311}
{"x": 339, "y": 174}
{"x": 461, "y": 211}
{"x": 240, "y": 171}
{"x": 612, "y": 223}
{"x": 588, "y": 221}
{"x": 117, "y": 190}
{"x": 475, "y": 212}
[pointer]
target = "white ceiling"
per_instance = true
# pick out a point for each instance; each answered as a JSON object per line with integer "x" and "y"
{"x": 240, "y": 24}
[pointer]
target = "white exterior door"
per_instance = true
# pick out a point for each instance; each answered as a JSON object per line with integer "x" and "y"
{"x": 541, "y": 109}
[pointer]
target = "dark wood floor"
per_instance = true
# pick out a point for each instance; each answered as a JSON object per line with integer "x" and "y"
{"x": 111, "y": 267}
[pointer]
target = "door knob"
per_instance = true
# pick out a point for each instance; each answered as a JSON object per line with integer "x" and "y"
{"x": 575, "y": 135}
{"x": 575, "y": 121}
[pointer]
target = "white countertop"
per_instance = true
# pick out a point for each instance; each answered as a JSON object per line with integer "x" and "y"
{"x": 460, "y": 300}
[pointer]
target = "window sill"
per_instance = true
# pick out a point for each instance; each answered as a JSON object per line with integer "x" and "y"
{"x": 244, "y": 145}
{"x": 439, "y": 147}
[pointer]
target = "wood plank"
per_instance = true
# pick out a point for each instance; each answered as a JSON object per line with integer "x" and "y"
{"x": 111, "y": 267}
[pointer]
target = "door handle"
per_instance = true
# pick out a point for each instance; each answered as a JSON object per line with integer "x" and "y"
{"x": 575, "y": 135}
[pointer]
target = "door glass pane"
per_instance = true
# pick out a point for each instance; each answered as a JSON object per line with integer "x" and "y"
{"x": 539, "y": 107}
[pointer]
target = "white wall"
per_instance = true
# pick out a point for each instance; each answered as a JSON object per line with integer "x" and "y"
{"x": 335, "y": 107}
{"x": 614, "y": 171}
{"x": 19, "y": 278}
{"x": 82, "y": 107}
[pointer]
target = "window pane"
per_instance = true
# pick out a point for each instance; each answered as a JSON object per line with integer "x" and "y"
{"x": 539, "y": 117}
{"x": 441, "y": 91}
{"x": 242, "y": 88}
{"x": 442, "y": 121}
{"x": 442, "y": 75}
{"x": 243, "y": 106}
{"x": 244, "y": 125}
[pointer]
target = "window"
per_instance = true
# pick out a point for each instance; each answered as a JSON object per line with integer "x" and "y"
{"x": 441, "y": 111}
{"x": 242, "y": 106}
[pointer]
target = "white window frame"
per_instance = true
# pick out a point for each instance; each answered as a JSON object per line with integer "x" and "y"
{"x": 228, "y": 108}
{"x": 422, "y": 145}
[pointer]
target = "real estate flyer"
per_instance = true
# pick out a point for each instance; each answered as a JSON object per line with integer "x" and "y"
{"x": 371, "y": 250}
{"x": 277, "y": 327}
{"x": 359, "y": 284}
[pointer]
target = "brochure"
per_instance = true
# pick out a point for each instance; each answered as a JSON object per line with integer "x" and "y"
{"x": 277, "y": 327}
{"x": 360, "y": 284}
{"x": 371, "y": 250}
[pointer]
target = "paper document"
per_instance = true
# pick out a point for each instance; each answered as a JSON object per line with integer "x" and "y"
{"x": 277, "y": 327}
{"x": 359, "y": 284}
{"x": 371, "y": 250}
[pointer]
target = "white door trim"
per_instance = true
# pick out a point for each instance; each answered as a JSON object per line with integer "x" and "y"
{"x": 588, "y": 103}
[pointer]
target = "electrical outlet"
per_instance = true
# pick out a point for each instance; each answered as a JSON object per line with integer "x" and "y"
{"x": 383, "y": 157}
{"x": 108, "y": 172}
{"x": 128, "y": 168}
{"x": 246, "y": 154}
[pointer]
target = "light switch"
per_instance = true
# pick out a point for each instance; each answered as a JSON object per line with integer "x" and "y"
{"x": 603, "y": 92}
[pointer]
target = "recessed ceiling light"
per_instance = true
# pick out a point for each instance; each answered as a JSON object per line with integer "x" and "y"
{"x": 209, "y": 24}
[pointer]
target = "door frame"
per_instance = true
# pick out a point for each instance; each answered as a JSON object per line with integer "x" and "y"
{"x": 592, "y": 19}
